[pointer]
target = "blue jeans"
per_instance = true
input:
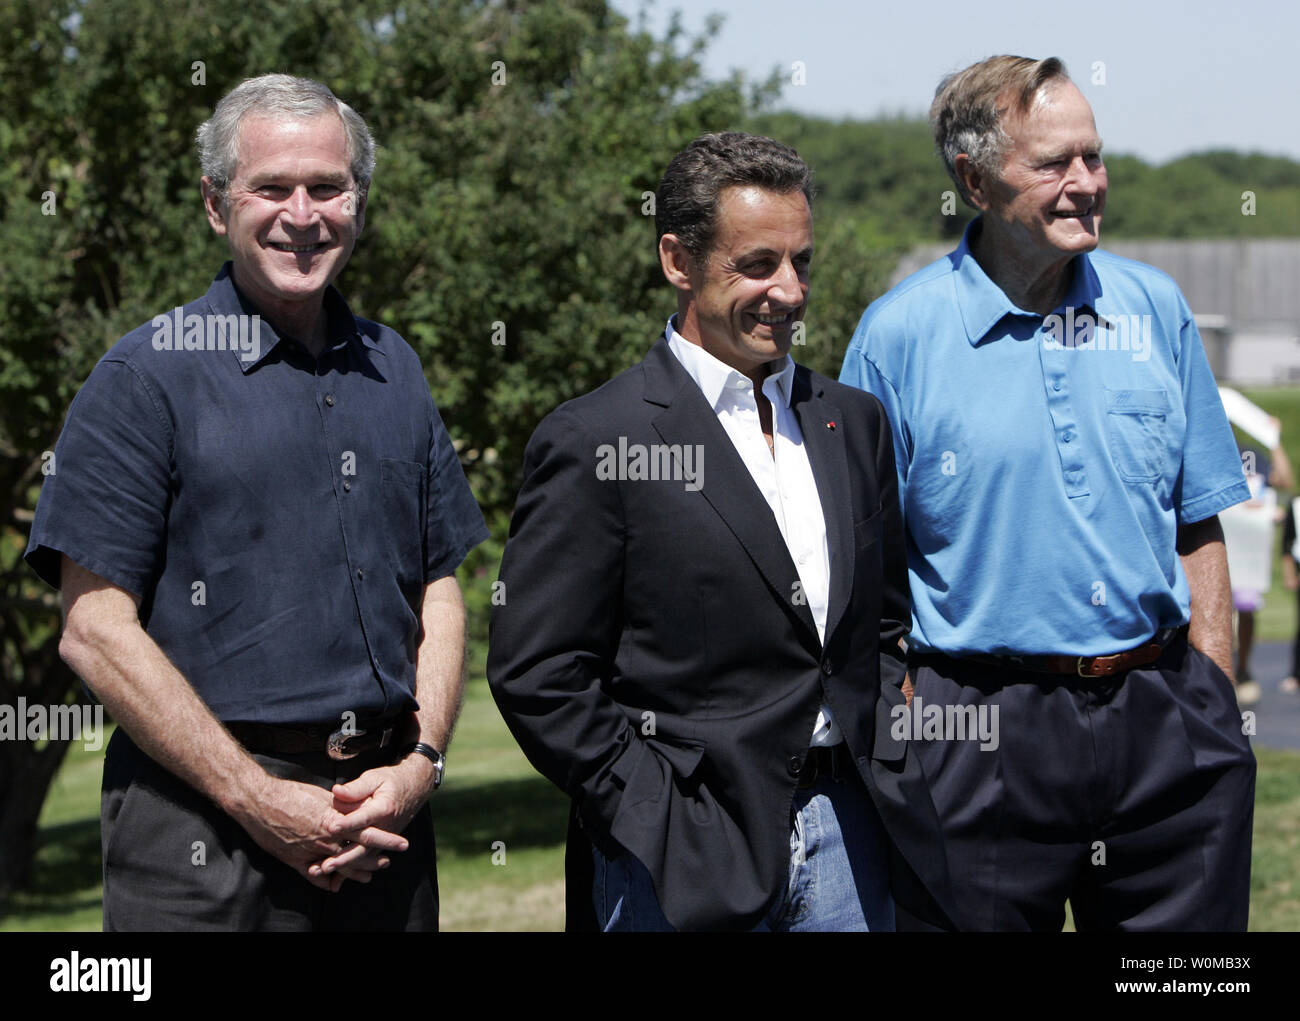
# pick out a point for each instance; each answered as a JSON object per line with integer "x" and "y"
{"x": 838, "y": 877}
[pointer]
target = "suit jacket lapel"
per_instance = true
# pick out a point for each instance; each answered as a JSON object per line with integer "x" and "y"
{"x": 728, "y": 487}
{"x": 822, "y": 426}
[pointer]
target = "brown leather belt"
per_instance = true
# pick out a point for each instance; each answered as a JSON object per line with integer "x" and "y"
{"x": 338, "y": 742}
{"x": 834, "y": 763}
{"x": 1087, "y": 666}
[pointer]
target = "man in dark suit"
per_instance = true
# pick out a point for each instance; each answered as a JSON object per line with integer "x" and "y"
{"x": 705, "y": 588}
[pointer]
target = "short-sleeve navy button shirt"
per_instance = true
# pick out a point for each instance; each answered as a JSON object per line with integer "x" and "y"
{"x": 278, "y": 515}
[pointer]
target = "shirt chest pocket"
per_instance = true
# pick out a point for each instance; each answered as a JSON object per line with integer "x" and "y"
{"x": 1137, "y": 432}
{"x": 402, "y": 486}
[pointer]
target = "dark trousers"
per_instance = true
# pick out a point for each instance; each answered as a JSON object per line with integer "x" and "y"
{"x": 1131, "y": 796}
{"x": 174, "y": 861}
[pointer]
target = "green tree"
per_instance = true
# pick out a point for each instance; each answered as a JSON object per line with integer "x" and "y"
{"x": 883, "y": 173}
{"x": 1204, "y": 195}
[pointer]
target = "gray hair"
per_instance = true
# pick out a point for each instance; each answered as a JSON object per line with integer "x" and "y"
{"x": 966, "y": 117}
{"x": 686, "y": 203}
{"x": 277, "y": 95}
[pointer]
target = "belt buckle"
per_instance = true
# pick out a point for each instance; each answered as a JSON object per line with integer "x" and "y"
{"x": 1094, "y": 661}
{"x": 335, "y": 745}
{"x": 336, "y": 748}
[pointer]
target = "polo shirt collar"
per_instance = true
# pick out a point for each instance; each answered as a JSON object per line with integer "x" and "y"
{"x": 983, "y": 303}
{"x": 713, "y": 376}
{"x": 224, "y": 298}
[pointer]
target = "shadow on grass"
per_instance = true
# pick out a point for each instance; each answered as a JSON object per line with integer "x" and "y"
{"x": 65, "y": 875}
{"x": 529, "y": 812}
{"x": 68, "y": 859}
{"x": 524, "y": 813}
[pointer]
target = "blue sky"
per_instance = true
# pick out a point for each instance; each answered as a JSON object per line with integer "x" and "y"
{"x": 1179, "y": 76}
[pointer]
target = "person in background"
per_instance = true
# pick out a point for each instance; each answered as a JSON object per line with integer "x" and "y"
{"x": 1291, "y": 579}
{"x": 1265, "y": 474}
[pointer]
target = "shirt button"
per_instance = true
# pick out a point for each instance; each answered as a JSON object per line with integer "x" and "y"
{"x": 1056, "y": 385}
{"x": 803, "y": 558}
{"x": 347, "y": 487}
{"x": 1068, "y": 437}
{"x": 329, "y": 399}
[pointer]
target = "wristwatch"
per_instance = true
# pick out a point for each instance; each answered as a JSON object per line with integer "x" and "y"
{"x": 433, "y": 755}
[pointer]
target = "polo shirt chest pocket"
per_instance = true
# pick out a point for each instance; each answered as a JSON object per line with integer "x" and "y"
{"x": 1137, "y": 432}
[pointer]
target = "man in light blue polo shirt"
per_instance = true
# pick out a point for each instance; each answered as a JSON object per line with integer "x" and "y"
{"x": 1062, "y": 455}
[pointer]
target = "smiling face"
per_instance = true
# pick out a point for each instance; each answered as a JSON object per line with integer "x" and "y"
{"x": 743, "y": 305}
{"x": 292, "y": 213}
{"x": 1047, "y": 203}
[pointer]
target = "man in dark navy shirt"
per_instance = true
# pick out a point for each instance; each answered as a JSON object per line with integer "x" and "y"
{"x": 255, "y": 519}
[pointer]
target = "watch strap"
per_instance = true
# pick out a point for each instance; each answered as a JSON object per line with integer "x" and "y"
{"x": 433, "y": 755}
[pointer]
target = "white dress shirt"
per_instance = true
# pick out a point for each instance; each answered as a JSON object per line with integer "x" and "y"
{"x": 783, "y": 475}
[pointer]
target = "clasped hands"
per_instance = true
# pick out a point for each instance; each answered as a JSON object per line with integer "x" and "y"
{"x": 347, "y": 832}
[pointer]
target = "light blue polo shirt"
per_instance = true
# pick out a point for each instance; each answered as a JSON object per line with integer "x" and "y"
{"x": 1046, "y": 462}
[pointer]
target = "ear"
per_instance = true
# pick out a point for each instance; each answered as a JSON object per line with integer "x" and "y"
{"x": 677, "y": 264}
{"x": 212, "y": 205}
{"x": 973, "y": 180}
{"x": 362, "y": 194}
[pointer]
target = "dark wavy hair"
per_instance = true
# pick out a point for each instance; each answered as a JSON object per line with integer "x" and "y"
{"x": 686, "y": 203}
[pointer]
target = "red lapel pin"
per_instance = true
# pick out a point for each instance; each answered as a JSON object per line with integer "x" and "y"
{"x": 830, "y": 426}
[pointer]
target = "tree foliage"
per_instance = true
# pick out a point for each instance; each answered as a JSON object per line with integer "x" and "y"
{"x": 886, "y": 176}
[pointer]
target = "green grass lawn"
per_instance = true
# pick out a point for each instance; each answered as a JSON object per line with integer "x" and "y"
{"x": 493, "y": 797}
{"x": 495, "y": 802}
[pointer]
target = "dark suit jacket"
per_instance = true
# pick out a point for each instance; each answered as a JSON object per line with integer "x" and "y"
{"x": 654, "y": 656}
